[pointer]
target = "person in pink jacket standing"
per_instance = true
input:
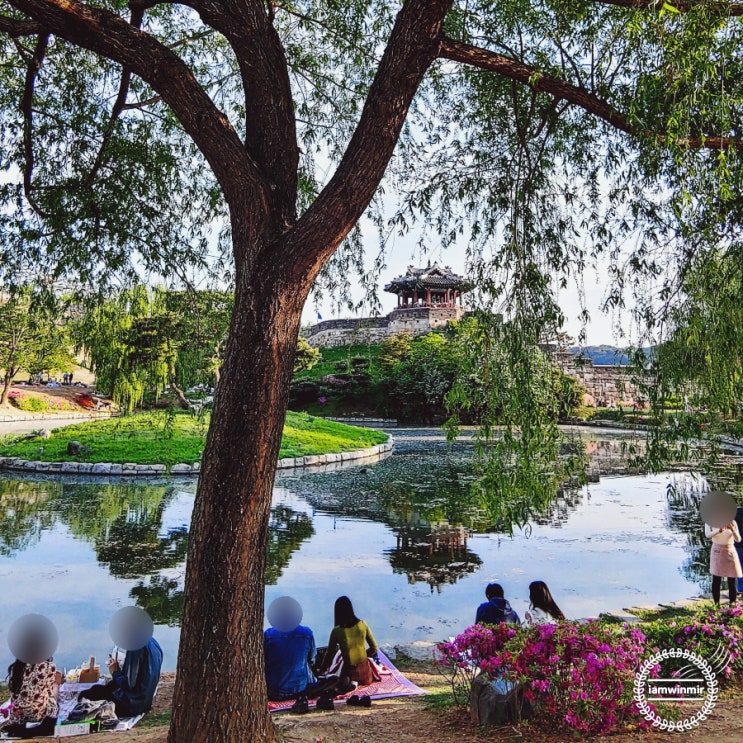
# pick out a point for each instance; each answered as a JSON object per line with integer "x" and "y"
{"x": 724, "y": 562}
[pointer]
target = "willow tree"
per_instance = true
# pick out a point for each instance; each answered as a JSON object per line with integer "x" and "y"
{"x": 128, "y": 130}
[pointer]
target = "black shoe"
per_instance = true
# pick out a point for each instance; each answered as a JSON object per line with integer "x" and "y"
{"x": 364, "y": 701}
{"x": 353, "y": 701}
{"x": 300, "y": 707}
{"x": 344, "y": 688}
{"x": 325, "y": 703}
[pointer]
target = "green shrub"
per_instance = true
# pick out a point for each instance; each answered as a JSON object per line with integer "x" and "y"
{"x": 30, "y": 404}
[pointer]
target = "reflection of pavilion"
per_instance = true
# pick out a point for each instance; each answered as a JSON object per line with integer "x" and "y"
{"x": 435, "y": 554}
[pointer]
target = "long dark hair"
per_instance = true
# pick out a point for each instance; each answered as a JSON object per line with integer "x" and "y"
{"x": 344, "y": 615}
{"x": 15, "y": 676}
{"x": 541, "y": 598}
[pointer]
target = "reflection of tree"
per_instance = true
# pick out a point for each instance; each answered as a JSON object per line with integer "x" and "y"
{"x": 124, "y": 523}
{"x": 435, "y": 554}
{"x": 24, "y": 514}
{"x": 558, "y": 511}
{"x": 443, "y": 495}
{"x": 287, "y": 529}
{"x": 684, "y": 496}
{"x": 162, "y": 599}
{"x": 89, "y": 509}
{"x": 131, "y": 549}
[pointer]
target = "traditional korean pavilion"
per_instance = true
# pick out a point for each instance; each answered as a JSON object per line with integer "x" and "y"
{"x": 432, "y": 286}
{"x": 427, "y": 299}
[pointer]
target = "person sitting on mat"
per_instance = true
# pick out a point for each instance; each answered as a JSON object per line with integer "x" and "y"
{"x": 352, "y": 635}
{"x": 34, "y": 691}
{"x": 132, "y": 687}
{"x": 33, "y": 680}
{"x": 289, "y": 651}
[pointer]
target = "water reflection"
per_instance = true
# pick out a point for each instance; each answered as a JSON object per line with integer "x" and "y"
{"x": 435, "y": 554}
{"x": 161, "y": 598}
{"x": 23, "y": 515}
{"x": 287, "y": 529}
{"x": 408, "y": 538}
{"x": 124, "y": 525}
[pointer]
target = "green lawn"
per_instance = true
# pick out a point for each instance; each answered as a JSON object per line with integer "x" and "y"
{"x": 156, "y": 438}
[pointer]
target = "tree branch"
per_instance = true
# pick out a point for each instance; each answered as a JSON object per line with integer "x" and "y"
{"x": 15, "y": 28}
{"x": 118, "y": 107}
{"x": 107, "y": 34}
{"x": 413, "y": 46}
{"x": 34, "y": 65}
{"x": 151, "y": 101}
{"x": 683, "y": 6}
{"x": 270, "y": 127}
{"x": 458, "y": 51}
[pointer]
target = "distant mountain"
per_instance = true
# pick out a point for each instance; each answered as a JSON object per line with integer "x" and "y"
{"x": 602, "y": 355}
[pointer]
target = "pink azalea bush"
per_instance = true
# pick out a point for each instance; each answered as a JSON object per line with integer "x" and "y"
{"x": 581, "y": 675}
{"x": 577, "y": 675}
{"x": 715, "y": 634}
{"x": 465, "y": 657}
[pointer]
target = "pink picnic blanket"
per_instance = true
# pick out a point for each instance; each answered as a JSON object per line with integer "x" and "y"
{"x": 392, "y": 684}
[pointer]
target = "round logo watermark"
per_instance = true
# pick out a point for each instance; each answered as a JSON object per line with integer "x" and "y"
{"x": 695, "y": 685}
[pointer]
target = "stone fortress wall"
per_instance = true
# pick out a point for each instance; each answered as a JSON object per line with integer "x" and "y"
{"x": 608, "y": 384}
{"x": 412, "y": 320}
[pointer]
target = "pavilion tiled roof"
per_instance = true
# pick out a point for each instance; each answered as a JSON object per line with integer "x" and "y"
{"x": 431, "y": 277}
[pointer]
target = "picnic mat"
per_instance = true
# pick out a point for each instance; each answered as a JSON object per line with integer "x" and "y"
{"x": 393, "y": 684}
{"x": 68, "y": 699}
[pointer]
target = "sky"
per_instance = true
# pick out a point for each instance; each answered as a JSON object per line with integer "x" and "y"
{"x": 603, "y": 328}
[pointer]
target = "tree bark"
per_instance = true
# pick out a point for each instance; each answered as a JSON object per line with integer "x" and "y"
{"x": 183, "y": 403}
{"x": 221, "y": 665}
{"x": 7, "y": 381}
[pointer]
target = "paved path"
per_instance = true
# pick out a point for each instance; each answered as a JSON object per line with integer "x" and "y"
{"x": 22, "y": 426}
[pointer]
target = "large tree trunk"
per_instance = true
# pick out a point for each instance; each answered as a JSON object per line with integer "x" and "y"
{"x": 221, "y": 665}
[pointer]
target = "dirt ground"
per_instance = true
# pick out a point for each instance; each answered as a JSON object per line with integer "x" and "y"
{"x": 69, "y": 393}
{"x": 409, "y": 719}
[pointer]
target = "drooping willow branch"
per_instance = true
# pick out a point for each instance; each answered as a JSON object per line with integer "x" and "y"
{"x": 682, "y": 6}
{"x": 118, "y": 107}
{"x": 513, "y": 69}
{"x": 32, "y": 70}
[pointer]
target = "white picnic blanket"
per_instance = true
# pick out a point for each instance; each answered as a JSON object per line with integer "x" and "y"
{"x": 68, "y": 699}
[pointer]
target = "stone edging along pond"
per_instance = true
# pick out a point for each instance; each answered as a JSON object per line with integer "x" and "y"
{"x": 107, "y": 469}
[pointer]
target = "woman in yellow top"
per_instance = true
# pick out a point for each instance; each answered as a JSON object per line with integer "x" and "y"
{"x": 356, "y": 642}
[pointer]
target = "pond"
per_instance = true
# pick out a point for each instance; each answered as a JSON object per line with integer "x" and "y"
{"x": 78, "y": 550}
